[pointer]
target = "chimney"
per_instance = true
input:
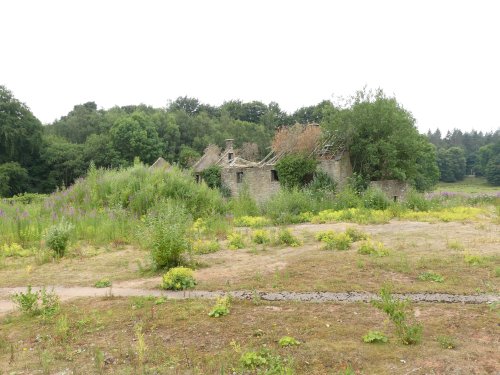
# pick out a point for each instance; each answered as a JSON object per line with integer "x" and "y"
{"x": 229, "y": 144}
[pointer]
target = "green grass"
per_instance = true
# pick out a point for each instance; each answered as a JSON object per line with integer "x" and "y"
{"x": 469, "y": 185}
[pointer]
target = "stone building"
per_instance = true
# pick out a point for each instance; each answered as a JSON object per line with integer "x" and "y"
{"x": 261, "y": 179}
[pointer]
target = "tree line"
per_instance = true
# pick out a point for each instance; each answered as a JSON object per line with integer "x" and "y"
{"x": 467, "y": 153}
{"x": 380, "y": 134}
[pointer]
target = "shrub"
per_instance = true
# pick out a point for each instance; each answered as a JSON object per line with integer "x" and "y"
{"x": 205, "y": 246}
{"x": 288, "y": 341}
{"x": 322, "y": 182}
{"x": 285, "y": 237}
{"x": 431, "y": 276}
{"x": 265, "y": 362}
{"x": 221, "y": 307}
{"x": 37, "y": 303}
{"x": 236, "y": 241}
{"x": 252, "y": 221}
{"x": 473, "y": 259}
{"x": 356, "y": 234}
{"x": 287, "y": 204}
{"x": 335, "y": 241}
{"x": 57, "y": 237}
{"x": 243, "y": 204}
{"x": 416, "y": 201}
{"x": 376, "y": 249}
{"x": 212, "y": 176}
{"x": 260, "y": 236}
{"x": 373, "y": 337}
{"x": 104, "y": 283}
{"x": 167, "y": 231}
{"x": 178, "y": 278}
{"x": 376, "y": 199}
{"x": 347, "y": 198}
{"x": 397, "y": 311}
{"x": 295, "y": 170}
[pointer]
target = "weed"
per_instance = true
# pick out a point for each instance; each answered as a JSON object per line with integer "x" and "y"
{"x": 236, "y": 241}
{"x": 337, "y": 241}
{"x": 356, "y": 234}
{"x": 57, "y": 237}
{"x": 446, "y": 342}
{"x": 347, "y": 371}
{"x": 99, "y": 360}
{"x": 260, "y": 236}
{"x": 455, "y": 245}
{"x": 288, "y": 341}
{"x": 37, "y": 303}
{"x": 46, "y": 361}
{"x": 374, "y": 337}
{"x": 167, "y": 230}
{"x": 376, "y": 249}
{"x": 205, "y": 246}
{"x": 104, "y": 283}
{"x": 285, "y": 237}
{"x": 62, "y": 328}
{"x": 265, "y": 362}
{"x": 431, "y": 276}
{"x": 252, "y": 221}
{"x": 473, "y": 259}
{"x": 497, "y": 271}
{"x": 179, "y": 278}
{"x": 221, "y": 307}
{"x": 397, "y": 311}
{"x": 141, "y": 347}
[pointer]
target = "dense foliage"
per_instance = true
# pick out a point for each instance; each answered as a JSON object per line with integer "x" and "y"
{"x": 467, "y": 153}
{"x": 379, "y": 133}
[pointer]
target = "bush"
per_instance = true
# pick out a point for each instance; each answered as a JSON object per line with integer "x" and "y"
{"x": 205, "y": 247}
{"x": 57, "y": 237}
{"x": 356, "y": 234}
{"x": 288, "y": 341}
{"x": 285, "y": 237}
{"x": 104, "y": 283}
{"x": 447, "y": 342}
{"x": 212, "y": 176}
{"x": 286, "y": 205}
{"x": 167, "y": 233}
{"x": 236, "y": 241}
{"x": 321, "y": 182}
{"x": 179, "y": 278}
{"x": 373, "y": 337}
{"x": 252, "y": 221}
{"x": 295, "y": 170}
{"x": 243, "y": 204}
{"x": 397, "y": 311}
{"x": 376, "y": 199}
{"x": 335, "y": 241}
{"x": 347, "y": 198}
{"x": 417, "y": 202}
{"x": 376, "y": 249}
{"x": 37, "y": 303}
{"x": 265, "y": 363}
{"x": 260, "y": 236}
{"x": 221, "y": 307}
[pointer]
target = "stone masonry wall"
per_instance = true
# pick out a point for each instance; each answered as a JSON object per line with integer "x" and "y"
{"x": 257, "y": 180}
{"x": 394, "y": 189}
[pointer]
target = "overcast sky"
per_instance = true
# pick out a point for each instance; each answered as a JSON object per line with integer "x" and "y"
{"x": 441, "y": 59}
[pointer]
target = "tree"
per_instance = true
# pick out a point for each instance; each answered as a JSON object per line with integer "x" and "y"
{"x": 13, "y": 179}
{"x": 135, "y": 136}
{"x": 382, "y": 139}
{"x": 493, "y": 170}
{"x": 20, "y": 131}
{"x": 451, "y": 164}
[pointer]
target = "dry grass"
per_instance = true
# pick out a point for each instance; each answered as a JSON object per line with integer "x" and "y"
{"x": 180, "y": 338}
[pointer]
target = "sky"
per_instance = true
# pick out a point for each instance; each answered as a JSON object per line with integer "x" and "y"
{"x": 440, "y": 59}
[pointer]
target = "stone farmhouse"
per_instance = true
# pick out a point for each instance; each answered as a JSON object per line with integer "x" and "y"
{"x": 261, "y": 178}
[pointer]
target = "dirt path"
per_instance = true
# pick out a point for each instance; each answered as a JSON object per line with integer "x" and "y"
{"x": 67, "y": 293}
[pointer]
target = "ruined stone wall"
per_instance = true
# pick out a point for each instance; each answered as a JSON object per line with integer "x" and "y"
{"x": 338, "y": 170}
{"x": 394, "y": 189}
{"x": 258, "y": 181}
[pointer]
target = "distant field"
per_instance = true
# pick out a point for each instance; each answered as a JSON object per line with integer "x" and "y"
{"x": 468, "y": 185}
